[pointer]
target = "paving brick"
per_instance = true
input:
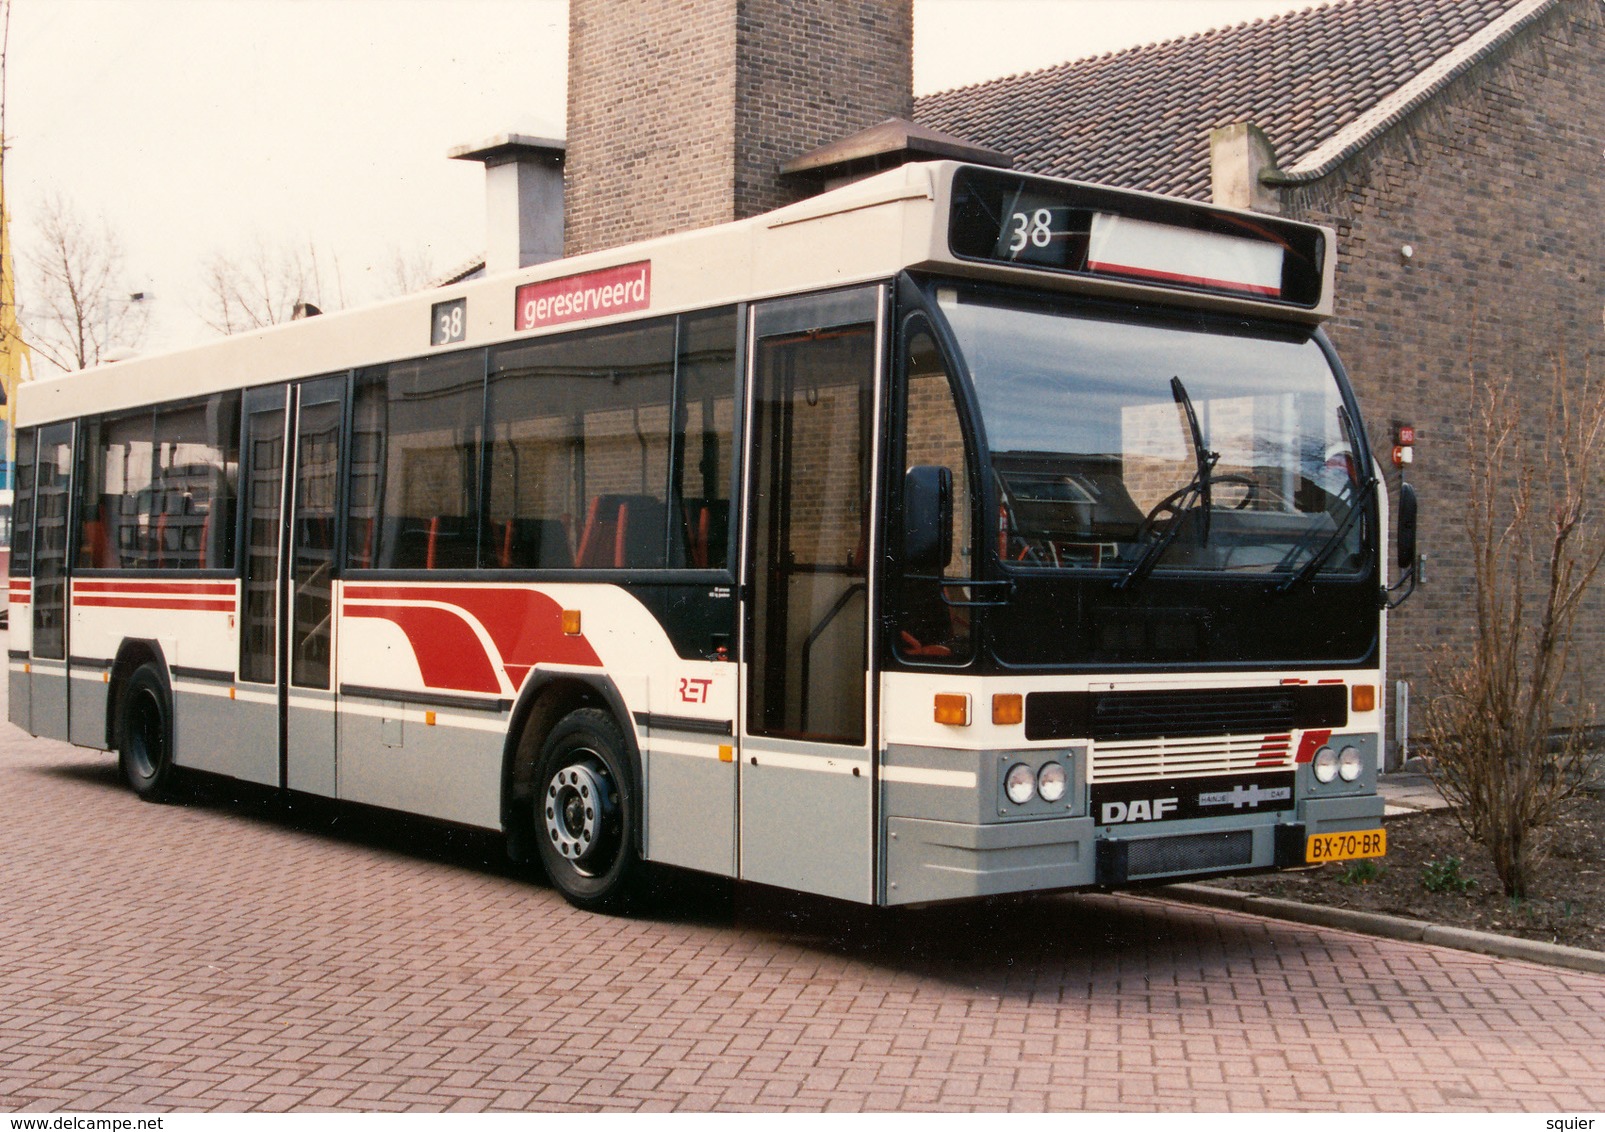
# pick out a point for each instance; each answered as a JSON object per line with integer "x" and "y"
{"x": 253, "y": 963}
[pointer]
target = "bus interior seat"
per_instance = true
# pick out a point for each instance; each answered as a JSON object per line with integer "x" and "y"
{"x": 436, "y": 543}
{"x": 529, "y": 544}
{"x": 622, "y": 531}
{"x": 707, "y": 529}
{"x": 97, "y": 542}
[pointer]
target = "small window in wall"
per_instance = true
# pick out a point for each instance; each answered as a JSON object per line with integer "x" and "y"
{"x": 704, "y": 439}
{"x": 579, "y": 451}
{"x": 415, "y": 464}
{"x": 928, "y": 625}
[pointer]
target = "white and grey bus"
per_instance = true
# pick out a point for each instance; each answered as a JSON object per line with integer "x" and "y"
{"x": 952, "y": 533}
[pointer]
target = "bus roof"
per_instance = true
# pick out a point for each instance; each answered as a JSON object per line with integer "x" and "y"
{"x": 912, "y": 217}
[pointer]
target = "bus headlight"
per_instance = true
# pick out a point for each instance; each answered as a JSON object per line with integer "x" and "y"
{"x": 1326, "y": 764}
{"x": 1052, "y": 781}
{"x": 1349, "y": 764}
{"x": 1020, "y": 784}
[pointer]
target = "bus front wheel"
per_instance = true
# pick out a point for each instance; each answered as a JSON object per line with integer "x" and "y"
{"x": 587, "y": 813}
{"x": 145, "y": 725}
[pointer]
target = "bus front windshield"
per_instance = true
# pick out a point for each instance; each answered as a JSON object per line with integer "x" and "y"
{"x": 1139, "y": 445}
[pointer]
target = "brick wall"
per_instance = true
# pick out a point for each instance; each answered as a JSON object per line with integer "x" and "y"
{"x": 810, "y": 72}
{"x": 1498, "y": 187}
{"x": 681, "y": 111}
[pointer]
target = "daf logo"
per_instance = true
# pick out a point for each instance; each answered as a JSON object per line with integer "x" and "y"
{"x": 1141, "y": 809}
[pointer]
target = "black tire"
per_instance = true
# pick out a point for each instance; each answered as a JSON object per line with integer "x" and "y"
{"x": 145, "y": 731}
{"x": 587, "y": 813}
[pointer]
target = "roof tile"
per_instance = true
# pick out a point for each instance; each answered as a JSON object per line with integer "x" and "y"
{"x": 1141, "y": 118}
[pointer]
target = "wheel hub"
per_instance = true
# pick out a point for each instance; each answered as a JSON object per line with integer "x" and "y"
{"x": 575, "y": 809}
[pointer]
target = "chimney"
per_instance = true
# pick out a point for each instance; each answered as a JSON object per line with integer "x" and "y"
{"x": 523, "y": 199}
{"x": 1239, "y": 155}
{"x": 681, "y": 112}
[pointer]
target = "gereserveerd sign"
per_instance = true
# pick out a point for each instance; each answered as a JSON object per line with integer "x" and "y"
{"x": 592, "y": 294}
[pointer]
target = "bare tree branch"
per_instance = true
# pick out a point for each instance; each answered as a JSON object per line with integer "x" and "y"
{"x": 76, "y": 307}
{"x": 1509, "y": 729}
{"x": 262, "y": 286}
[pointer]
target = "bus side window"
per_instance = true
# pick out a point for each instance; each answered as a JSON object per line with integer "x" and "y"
{"x": 22, "y": 505}
{"x": 579, "y": 451}
{"x": 928, "y": 628}
{"x": 196, "y": 443}
{"x": 114, "y": 492}
{"x": 415, "y": 501}
{"x": 704, "y": 441}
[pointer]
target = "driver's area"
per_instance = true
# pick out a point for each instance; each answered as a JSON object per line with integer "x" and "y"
{"x": 931, "y": 622}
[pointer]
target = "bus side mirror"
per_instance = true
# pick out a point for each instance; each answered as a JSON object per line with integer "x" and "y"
{"x": 1407, "y": 527}
{"x": 927, "y": 520}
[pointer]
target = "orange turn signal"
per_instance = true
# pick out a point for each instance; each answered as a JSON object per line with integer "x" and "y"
{"x": 1363, "y": 697}
{"x": 953, "y": 709}
{"x": 571, "y": 622}
{"x": 1008, "y": 707}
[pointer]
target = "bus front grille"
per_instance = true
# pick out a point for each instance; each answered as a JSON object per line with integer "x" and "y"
{"x": 1187, "y": 758}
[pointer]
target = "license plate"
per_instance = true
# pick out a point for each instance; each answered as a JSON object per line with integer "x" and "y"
{"x": 1345, "y": 846}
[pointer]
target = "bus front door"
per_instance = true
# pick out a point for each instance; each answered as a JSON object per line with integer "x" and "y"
{"x": 807, "y": 738}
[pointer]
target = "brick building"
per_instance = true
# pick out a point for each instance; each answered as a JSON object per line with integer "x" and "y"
{"x": 1457, "y": 146}
{"x": 680, "y": 115}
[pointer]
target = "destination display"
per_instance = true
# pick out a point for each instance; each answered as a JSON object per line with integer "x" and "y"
{"x": 1086, "y": 230}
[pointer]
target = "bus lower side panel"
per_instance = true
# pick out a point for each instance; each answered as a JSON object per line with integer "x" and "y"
{"x": 48, "y": 703}
{"x": 237, "y": 737}
{"x": 90, "y": 692}
{"x": 391, "y": 755}
{"x": 20, "y": 689}
{"x": 690, "y": 802}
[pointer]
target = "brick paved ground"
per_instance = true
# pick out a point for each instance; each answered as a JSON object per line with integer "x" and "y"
{"x": 229, "y": 956}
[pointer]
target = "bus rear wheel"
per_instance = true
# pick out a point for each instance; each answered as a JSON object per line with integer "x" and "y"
{"x": 587, "y": 813}
{"x": 145, "y": 725}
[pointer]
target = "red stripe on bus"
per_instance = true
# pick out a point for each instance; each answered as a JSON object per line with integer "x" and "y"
{"x": 122, "y": 601}
{"x": 1181, "y": 277}
{"x": 153, "y": 587}
{"x": 446, "y": 647}
{"x": 526, "y": 625}
{"x": 1312, "y": 742}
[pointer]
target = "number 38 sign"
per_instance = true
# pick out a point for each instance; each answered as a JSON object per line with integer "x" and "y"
{"x": 448, "y": 322}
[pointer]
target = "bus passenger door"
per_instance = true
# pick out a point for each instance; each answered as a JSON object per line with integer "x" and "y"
{"x": 252, "y": 749}
{"x": 290, "y": 460}
{"x": 807, "y": 733}
{"x": 309, "y": 757}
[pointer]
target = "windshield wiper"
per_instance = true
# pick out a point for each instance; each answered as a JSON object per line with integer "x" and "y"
{"x": 1182, "y": 502}
{"x": 1360, "y": 490}
{"x": 1203, "y": 459}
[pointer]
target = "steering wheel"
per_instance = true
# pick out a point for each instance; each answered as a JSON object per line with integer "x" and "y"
{"x": 1249, "y": 482}
{"x": 1170, "y": 504}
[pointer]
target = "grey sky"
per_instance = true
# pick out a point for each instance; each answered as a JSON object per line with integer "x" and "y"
{"x": 198, "y": 126}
